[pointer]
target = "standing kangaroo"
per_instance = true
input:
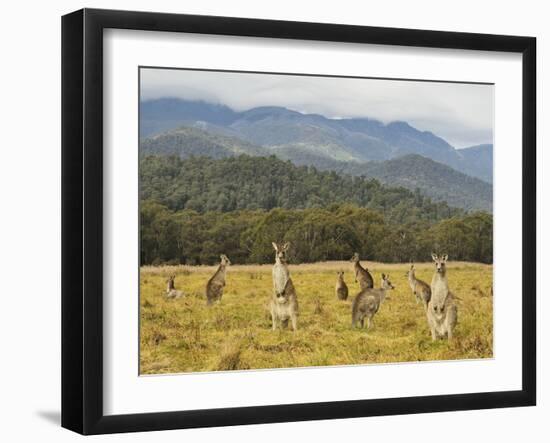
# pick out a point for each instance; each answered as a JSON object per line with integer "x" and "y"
{"x": 171, "y": 291}
{"x": 341, "y": 287}
{"x": 367, "y": 303}
{"x": 421, "y": 290}
{"x": 362, "y": 275}
{"x": 214, "y": 287}
{"x": 442, "y": 310}
{"x": 284, "y": 302}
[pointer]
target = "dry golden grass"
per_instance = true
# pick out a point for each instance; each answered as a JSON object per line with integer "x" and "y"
{"x": 185, "y": 335}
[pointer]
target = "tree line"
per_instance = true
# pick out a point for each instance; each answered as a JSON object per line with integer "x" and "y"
{"x": 334, "y": 232}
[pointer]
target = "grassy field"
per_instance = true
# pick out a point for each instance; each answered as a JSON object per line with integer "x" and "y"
{"x": 185, "y": 335}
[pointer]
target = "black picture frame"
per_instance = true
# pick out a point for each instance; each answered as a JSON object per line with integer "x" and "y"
{"x": 82, "y": 218}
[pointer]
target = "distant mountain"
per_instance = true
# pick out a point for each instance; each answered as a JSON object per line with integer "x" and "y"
{"x": 301, "y": 135}
{"x": 190, "y": 141}
{"x": 161, "y": 115}
{"x": 412, "y": 171}
{"x": 477, "y": 161}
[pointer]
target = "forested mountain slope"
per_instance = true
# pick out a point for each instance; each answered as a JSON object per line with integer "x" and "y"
{"x": 251, "y": 183}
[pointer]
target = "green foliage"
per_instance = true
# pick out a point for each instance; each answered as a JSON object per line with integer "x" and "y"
{"x": 316, "y": 234}
{"x": 264, "y": 183}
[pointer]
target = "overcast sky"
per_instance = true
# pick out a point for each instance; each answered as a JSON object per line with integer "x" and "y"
{"x": 462, "y": 114}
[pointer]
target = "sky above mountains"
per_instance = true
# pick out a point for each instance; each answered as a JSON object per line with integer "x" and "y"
{"x": 460, "y": 113}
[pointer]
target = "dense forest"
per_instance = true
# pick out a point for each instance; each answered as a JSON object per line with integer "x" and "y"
{"x": 317, "y": 234}
{"x": 263, "y": 183}
{"x": 194, "y": 209}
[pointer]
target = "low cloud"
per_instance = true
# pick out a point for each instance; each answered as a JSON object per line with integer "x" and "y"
{"x": 460, "y": 113}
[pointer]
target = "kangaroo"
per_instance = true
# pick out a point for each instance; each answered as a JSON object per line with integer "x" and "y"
{"x": 171, "y": 291}
{"x": 421, "y": 290}
{"x": 441, "y": 311}
{"x": 284, "y": 301}
{"x": 367, "y": 303}
{"x": 362, "y": 275}
{"x": 214, "y": 287}
{"x": 341, "y": 287}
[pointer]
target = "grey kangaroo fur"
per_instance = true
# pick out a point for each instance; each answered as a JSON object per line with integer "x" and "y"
{"x": 341, "y": 288}
{"x": 171, "y": 291}
{"x": 442, "y": 311}
{"x": 420, "y": 289}
{"x": 284, "y": 301}
{"x": 367, "y": 303}
{"x": 214, "y": 287}
{"x": 362, "y": 275}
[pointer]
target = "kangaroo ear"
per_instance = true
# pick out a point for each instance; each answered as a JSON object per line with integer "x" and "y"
{"x": 275, "y": 246}
{"x": 412, "y": 266}
{"x": 434, "y": 256}
{"x": 286, "y": 246}
{"x": 445, "y": 257}
{"x": 383, "y": 276}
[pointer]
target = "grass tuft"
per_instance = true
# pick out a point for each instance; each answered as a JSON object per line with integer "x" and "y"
{"x": 230, "y": 357}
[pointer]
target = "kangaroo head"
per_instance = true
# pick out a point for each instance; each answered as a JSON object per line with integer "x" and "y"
{"x": 410, "y": 272}
{"x": 224, "y": 260}
{"x": 386, "y": 283}
{"x": 440, "y": 263}
{"x": 355, "y": 258}
{"x": 340, "y": 274}
{"x": 280, "y": 250}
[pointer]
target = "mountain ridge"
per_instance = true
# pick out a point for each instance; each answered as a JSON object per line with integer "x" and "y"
{"x": 343, "y": 139}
